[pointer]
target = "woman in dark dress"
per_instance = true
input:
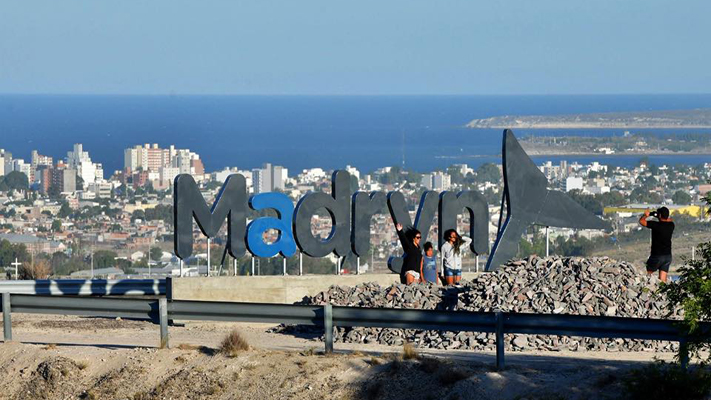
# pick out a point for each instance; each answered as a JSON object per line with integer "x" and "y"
{"x": 410, "y": 272}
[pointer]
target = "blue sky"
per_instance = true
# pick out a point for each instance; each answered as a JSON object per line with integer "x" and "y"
{"x": 356, "y": 47}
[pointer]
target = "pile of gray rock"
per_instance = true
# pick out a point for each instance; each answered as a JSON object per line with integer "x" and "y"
{"x": 597, "y": 286}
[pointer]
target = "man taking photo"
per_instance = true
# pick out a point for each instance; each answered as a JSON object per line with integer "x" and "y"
{"x": 660, "y": 257}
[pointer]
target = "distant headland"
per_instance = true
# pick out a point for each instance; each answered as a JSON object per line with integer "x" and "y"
{"x": 696, "y": 118}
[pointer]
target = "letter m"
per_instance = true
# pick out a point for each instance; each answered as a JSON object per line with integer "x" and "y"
{"x": 189, "y": 204}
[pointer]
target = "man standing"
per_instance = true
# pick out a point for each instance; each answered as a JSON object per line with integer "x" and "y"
{"x": 660, "y": 257}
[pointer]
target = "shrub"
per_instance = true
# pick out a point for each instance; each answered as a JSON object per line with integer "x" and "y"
{"x": 233, "y": 343}
{"x": 668, "y": 381}
{"x": 38, "y": 270}
{"x": 692, "y": 292}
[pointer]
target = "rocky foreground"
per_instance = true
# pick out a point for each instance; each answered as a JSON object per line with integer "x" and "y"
{"x": 597, "y": 286}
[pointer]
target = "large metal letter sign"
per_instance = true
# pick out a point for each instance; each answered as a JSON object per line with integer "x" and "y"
{"x": 423, "y": 219}
{"x": 529, "y": 202}
{"x": 188, "y": 203}
{"x": 284, "y": 208}
{"x": 339, "y": 206}
{"x": 364, "y": 207}
{"x": 450, "y": 205}
{"x": 526, "y": 195}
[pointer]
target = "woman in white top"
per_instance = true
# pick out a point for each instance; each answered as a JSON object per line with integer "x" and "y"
{"x": 452, "y": 256}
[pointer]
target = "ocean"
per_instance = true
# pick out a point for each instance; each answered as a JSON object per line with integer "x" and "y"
{"x": 422, "y": 133}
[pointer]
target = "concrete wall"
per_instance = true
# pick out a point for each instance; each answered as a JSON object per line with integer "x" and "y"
{"x": 271, "y": 289}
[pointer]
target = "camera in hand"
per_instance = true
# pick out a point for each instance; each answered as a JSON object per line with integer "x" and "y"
{"x": 654, "y": 214}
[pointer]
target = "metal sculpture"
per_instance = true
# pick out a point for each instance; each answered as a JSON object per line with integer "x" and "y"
{"x": 338, "y": 205}
{"x": 529, "y": 202}
{"x": 230, "y": 204}
{"x": 451, "y": 204}
{"x": 364, "y": 207}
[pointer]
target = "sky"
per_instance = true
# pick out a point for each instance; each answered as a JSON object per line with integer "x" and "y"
{"x": 365, "y": 47}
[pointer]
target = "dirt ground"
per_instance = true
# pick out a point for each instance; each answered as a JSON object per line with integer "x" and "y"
{"x": 61, "y": 357}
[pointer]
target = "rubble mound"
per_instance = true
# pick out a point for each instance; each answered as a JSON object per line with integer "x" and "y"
{"x": 53, "y": 378}
{"x": 552, "y": 285}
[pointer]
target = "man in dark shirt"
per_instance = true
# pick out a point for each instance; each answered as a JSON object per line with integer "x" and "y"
{"x": 660, "y": 257}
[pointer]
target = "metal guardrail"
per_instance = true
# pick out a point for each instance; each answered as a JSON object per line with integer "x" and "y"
{"x": 81, "y": 287}
{"x": 327, "y": 316}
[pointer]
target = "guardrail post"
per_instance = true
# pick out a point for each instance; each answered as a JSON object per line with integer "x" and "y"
{"x": 684, "y": 353}
{"x": 328, "y": 327}
{"x": 163, "y": 317}
{"x": 499, "y": 341}
{"x": 6, "y": 322}
{"x": 168, "y": 288}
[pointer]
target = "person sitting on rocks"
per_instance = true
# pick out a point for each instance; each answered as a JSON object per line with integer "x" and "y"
{"x": 452, "y": 256}
{"x": 429, "y": 271}
{"x": 410, "y": 241}
{"x": 660, "y": 257}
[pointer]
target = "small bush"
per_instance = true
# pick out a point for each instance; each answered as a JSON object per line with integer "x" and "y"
{"x": 233, "y": 343}
{"x": 409, "y": 352}
{"x": 668, "y": 381}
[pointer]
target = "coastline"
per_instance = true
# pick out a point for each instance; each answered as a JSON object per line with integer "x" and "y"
{"x": 476, "y": 125}
{"x": 624, "y": 154}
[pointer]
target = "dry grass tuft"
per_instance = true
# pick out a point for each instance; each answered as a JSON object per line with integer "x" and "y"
{"x": 83, "y": 365}
{"x": 51, "y": 346}
{"x": 233, "y": 343}
{"x": 309, "y": 352}
{"x": 409, "y": 352}
{"x": 374, "y": 361}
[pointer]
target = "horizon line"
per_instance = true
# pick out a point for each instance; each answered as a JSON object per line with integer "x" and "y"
{"x": 87, "y": 94}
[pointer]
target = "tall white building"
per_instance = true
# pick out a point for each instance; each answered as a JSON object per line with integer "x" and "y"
{"x": 441, "y": 181}
{"x": 88, "y": 171}
{"x": 438, "y": 181}
{"x": 20, "y": 166}
{"x": 573, "y": 183}
{"x": 353, "y": 171}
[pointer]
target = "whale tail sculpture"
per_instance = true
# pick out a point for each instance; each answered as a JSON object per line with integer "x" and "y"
{"x": 529, "y": 202}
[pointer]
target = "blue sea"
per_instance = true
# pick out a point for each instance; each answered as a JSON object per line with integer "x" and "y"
{"x": 422, "y": 132}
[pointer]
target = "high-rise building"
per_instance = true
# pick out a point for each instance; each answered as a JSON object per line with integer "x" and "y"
{"x": 152, "y": 158}
{"x": 353, "y": 171}
{"x": 5, "y": 162}
{"x": 426, "y": 181}
{"x": 64, "y": 179}
{"x": 436, "y": 181}
{"x": 43, "y": 176}
{"x": 88, "y": 171}
{"x": 441, "y": 181}
{"x": 20, "y": 166}
{"x": 261, "y": 180}
{"x": 269, "y": 178}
